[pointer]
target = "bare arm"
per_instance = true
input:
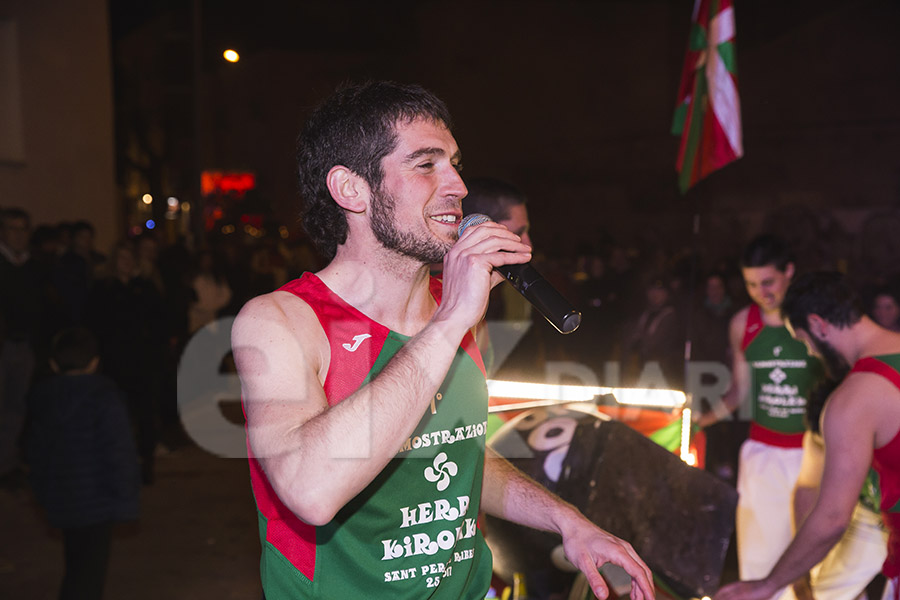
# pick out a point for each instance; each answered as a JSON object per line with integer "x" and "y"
{"x": 318, "y": 457}
{"x": 510, "y": 494}
{"x": 849, "y": 431}
{"x": 740, "y": 374}
{"x": 805, "y": 494}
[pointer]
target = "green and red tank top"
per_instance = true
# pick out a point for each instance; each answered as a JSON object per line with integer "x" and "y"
{"x": 782, "y": 374}
{"x": 412, "y": 532}
{"x": 886, "y": 461}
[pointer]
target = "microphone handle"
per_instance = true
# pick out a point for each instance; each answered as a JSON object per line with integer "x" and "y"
{"x": 558, "y": 311}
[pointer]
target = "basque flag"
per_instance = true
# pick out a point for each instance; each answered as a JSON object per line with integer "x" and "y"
{"x": 708, "y": 114}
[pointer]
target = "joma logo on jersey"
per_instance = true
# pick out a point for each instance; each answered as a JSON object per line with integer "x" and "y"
{"x": 357, "y": 340}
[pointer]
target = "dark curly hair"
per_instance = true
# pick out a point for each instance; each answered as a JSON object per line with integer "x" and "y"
{"x": 765, "y": 250}
{"x": 824, "y": 293}
{"x": 355, "y": 127}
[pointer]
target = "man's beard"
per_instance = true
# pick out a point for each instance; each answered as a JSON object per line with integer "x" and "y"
{"x": 424, "y": 248}
{"x": 835, "y": 366}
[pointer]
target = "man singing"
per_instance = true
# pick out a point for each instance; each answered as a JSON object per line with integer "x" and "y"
{"x": 364, "y": 392}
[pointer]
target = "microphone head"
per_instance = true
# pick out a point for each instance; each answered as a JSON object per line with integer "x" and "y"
{"x": 471, "y": 221}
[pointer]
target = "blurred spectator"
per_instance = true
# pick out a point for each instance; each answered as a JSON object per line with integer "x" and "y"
{"x": 147, "y": 249}
{"x": 75, "y": 271}
{"x": 709, "y": 335}
{"x": 624, "y": 284}
{"x": 211, "y": 290}
{"x": 21, "y": 306}
{"x": 267, "y": 271}
{"x": 175, "y": 269}
{"x": 45, "y": 247}
{"x": 83, "y": 461}
{"x": 885, "y": 309}
{"x": 594, "y": 342}
{"x": 656, "y": 337}
{"x": 126, "y": 312}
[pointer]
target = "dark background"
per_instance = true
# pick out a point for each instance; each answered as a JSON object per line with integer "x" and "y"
{"x": 570, "y": 100}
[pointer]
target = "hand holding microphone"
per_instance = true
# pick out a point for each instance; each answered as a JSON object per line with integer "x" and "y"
{"x": 533, "y": 287}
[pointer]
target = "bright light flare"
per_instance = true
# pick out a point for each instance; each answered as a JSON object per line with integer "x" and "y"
{"x": 584, "y": 393}
{"x": 147, "y": 199}
{"x": 686, "y": 454}
{"x": 231, "y": 56}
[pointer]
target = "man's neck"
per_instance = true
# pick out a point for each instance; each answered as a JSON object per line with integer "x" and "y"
{"x": 771, "y": 318}
{"x": 866, "y": 338}
{"x": 390, "y": 289}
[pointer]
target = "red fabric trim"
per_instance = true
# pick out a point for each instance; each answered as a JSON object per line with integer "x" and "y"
{"x": 753, "y": 327}
{"x": 343, "y": 326}
{"x": 870, "y": 364}
{"x": 775, "y": 438}
{"x": 292, "y": 537}
{"x": 468, "y": 342}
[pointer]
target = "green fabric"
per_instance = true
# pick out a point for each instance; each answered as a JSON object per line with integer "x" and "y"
{"x": 669, "y": 437}
{"x": 700, "y": 98}
{"x": 781, "y": 376}
{"x": 680, "y": 118}
{"x": 726, "y": 51}
{"x": 891, "y": 360}
{"x": 412, "y": 532}
{"x": 870, "y": 496}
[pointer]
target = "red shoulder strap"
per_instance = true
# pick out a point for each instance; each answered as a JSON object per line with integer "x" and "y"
{"x": 870, "y": 364}
{"x": 353, "y": 338}
{"x": 754, "y": 326}
{"x": 468, "y": 342}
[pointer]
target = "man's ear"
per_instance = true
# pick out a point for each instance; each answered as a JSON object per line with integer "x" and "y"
{"x": 818, "y": 327}
{"x": 789, "y": 270}
{"x": 349, "y": 190}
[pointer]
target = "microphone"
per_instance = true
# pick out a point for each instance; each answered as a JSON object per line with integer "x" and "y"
{"x": 532, "y": 285}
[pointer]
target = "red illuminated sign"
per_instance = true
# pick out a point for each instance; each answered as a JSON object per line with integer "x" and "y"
{"x": 225, "y": 182}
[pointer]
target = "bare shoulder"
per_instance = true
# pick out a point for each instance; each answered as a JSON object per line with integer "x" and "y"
{"x": 277, "y": 324}
{"x": 736, "y": 328}
{"x": 739, "y": 320}
{"x": 864, "y": 402}
{"x": 272, "y": 313}
{"x": 863, "y": 389}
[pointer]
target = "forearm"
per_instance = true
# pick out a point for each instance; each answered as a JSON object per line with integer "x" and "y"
{"x": 803, "y": 501}
{"x": 510, "y": 494}
{"x": 818, "y": 534}
{"x": 332, "y": 456}
{"x": 721, "y": 409}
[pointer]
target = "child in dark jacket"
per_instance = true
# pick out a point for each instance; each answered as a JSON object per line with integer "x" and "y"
{"x": 84, "y": 467}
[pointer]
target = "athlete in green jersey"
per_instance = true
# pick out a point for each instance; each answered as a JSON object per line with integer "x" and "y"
{"x": 378, "y": 171}
{"x": 774, "y": 373}
{"x": 860, "y": 426}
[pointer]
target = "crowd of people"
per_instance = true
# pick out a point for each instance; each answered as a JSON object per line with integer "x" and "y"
{"x": 142, "y": 300}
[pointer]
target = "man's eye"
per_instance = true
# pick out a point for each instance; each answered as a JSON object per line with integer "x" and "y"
{"x": 426, "y": 165}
